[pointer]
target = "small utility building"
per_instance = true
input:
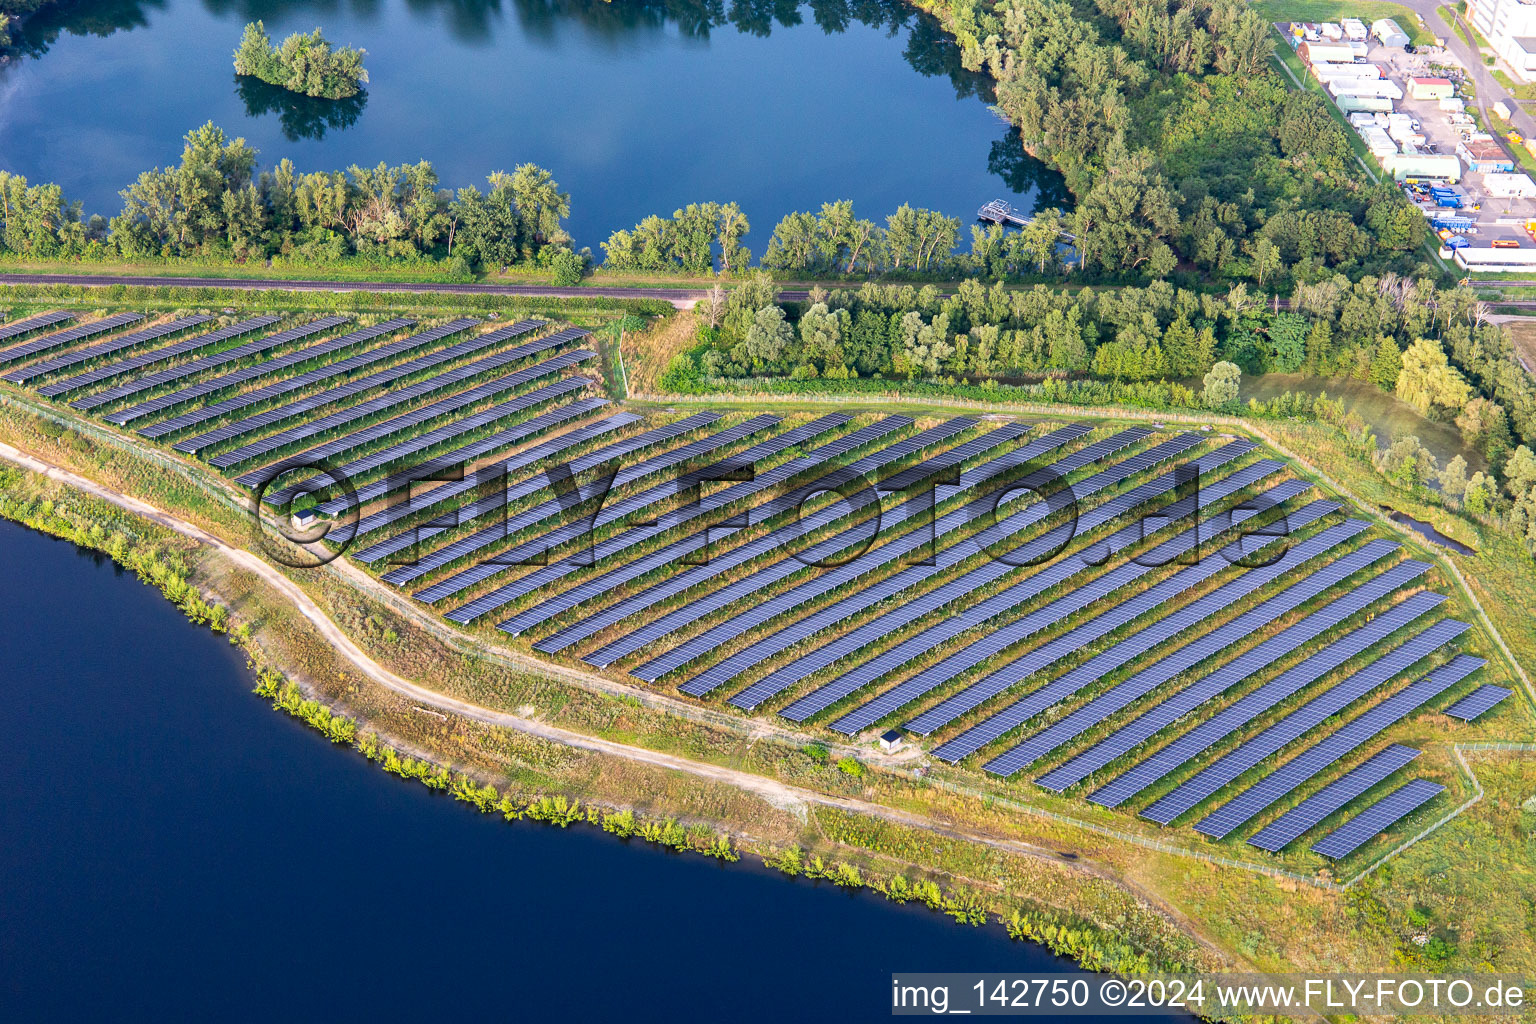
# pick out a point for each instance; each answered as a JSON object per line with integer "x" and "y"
{"x": 1431, "y": 88}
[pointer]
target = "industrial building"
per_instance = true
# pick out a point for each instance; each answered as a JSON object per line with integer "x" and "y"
{"x": 1510, "y": 28}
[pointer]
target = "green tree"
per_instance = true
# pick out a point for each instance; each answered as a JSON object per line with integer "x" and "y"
{"x": 1453, "y": 478}
{"x": 1222, "y": 385}
{"x": 1406, "y": 462}
{"x": 1387, "y": 366}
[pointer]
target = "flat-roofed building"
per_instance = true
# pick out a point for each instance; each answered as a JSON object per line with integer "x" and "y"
{"x": 1510, "y": 28}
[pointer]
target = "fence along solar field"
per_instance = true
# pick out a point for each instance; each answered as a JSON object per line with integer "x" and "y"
{"x": 1155, "y": 651}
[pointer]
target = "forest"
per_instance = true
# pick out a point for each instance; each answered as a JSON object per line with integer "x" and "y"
{"x": 1180, "y": 143}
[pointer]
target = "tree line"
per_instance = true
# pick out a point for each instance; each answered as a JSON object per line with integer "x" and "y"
{"x": 214, "y": 206}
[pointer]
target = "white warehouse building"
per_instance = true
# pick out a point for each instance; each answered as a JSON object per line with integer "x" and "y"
{"x": 1510, "y": 28}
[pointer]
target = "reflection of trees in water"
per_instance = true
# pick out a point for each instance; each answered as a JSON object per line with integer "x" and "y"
{"x": 928, "y": 49}
{"x": 301, "y": 117}
{"x": 83, "y": 18}
{"x": 1022, "y": 172}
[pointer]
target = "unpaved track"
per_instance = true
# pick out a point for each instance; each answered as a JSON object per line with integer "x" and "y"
{"x": 772, "y": 791}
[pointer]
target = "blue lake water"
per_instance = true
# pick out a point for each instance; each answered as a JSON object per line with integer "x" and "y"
{"x": 637, "y": 108}
{"x": 173, "y": 849}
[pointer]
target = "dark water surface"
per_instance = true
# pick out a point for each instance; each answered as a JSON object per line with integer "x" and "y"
{"x": 636, "y": 107}
{"x": 172, "y": 849}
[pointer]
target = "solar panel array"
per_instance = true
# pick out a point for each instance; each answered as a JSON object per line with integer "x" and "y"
{"x": 1298, "y": 723}
{"x": 774, "y": 540}
{"x": 17, "y": 328}
{"x": 676, "y": 551}
{"x": 203, "y": 364}
{"x": 1078, "y": 638}
{"x": 556, "y": 507}
{"x": 1349, "y": 737}
{"x": 507, "y": 438}
{"x": 49, "y": 342}
{"x": 997, "y": 640}
{"x": 952, "y": 612}
{"x": 1248, "y": 707}
{"x": 1377, "y": 818}
{"x": 328, "y": 371}
{"x": 1479, "y": 702}
{"x": 394, "y": 400}
{"x": 504, "y": 496}
{"x": 802, "y": 629}
{"x": 414, "y": 502}
{"x": 732, "y": 495}
{"x": 1125, "y": 739}
{"x": 28, "y": 374}
{"x": 122, "y": 367}
{"x": 210, "y": 387}
{"x": 1123, "y": 652}
{"x": 1308, "y": 814}
{"x": 832, "y": 548}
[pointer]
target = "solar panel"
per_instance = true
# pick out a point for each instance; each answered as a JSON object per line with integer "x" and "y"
{"x": 1377, "y": 818}
{"x": 1478, "y": 703}
{"x": 382, "y": 431}
{"x": 154, "y": 356}
{"x": 998, "y": 639}
{"x": 723, "y": 596}
{"x": 1248, "y": 707}
{"x": 392, "y": 402}
{"x": 668, "y": 554}
{"x": 213, "y": 385}
{"x": 720, "y": 562}
{"x": 557, "y": 508}
{"x": 218, "y": 385}
{"x": 17, "y": 328}
{"x": 839, "y": 578}
{"x": 440, "y": 465}
{"x": 1039, "y": 658}
{"x": 1191, "y": 653}
{"x": 28, "y": 374}
{"x": 1308, "y": 814}
{"x": 507, "y": 493}
{"x": 1132, "y": 647}
{"x": 1349, "y": 737}
{"x": 329, "y": 371}
{"x": 249, "y": 350}
{"x": 348, "y": 389}
{"x": 49, "y": 342}
{"x": 732, "y": 495}
{"x": 1123, "y": 740}
{"x": 1230, "y": 766}
{"x": 411, "y": 503}
{"x": 627, "y": 506}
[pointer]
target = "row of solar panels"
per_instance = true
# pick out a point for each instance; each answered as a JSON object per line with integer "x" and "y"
{"x": 310, "y": 378}
{"x": 38, "y": 370}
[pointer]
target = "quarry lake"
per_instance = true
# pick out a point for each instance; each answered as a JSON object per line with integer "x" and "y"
{"x": 636, "y": 108}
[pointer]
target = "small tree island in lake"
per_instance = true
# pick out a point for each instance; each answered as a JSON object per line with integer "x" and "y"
{"x": 304, "y": 64}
